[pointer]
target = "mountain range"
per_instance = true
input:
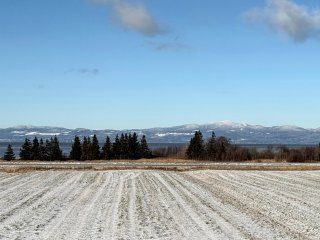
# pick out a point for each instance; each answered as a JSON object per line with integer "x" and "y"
{"x": 240, "y": 133}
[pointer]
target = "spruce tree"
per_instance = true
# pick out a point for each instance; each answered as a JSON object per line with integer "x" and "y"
{"x": 53, "y": 149}
{"x": 42, "y": 150}
{"x": 211, "y": 147}
{"x": 9, "y": 154}
{"x": 126, "y": 146}
{"x": 35, "y": 149}
{"x": 95, "y": 148}
{"x": 222, "y": 146}
{"x": 25, "y": 150}
{"x": 196, "y": 147}
{"x": 89, "y": 152}
{"x": 134, "y": 147}
{"x": 57, "y": 153}
{"x": 48, "y": 150}
{"x": 116, "y": 148}
{"x": 85, "y": 148}
{"x": 107, "y": 150}
{"x": 144, "y": 148}
{"x": 76, "y": 150}
{"x": 123, "y": 146}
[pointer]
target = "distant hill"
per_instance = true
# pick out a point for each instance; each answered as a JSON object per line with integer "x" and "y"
{"x": 238, "y": 132}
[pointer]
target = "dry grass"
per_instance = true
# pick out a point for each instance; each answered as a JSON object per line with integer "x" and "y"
{"x": 154, "y": 164}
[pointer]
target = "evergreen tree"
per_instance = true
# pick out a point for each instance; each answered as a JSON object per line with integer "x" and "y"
{"x": 57, "y": 153}
{"x": 116, "y": 148}
{"x": 134, "y": 146}
{"x": 85, "y": 148}
{"x": 89, "y": 152}
{"x": 76, "y": 150}
{"x": 95, "y": 148}
{"x": 48, "y": 150}
{"x": 196, "y": 147}
{"x": 144, "y": 148}
{"x": 107, "y": 150}
{"x": 9, "y": 154}
{"x": 222, "y": 146}
{"x": 25, "y": 150}
{"x": 53, "y": 149}
{"x": 211, "y": 147}
{"x": 126, "y": 147}
{"x": 123, "y": 146}
{"x": 35, "y": 149}
{"x": 42, "y": 151}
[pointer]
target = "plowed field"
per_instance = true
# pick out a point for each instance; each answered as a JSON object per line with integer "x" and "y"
{"x": 141, "y": 204}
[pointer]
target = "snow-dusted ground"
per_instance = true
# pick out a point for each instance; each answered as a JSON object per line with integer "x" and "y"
{"x": 160, "y": 205}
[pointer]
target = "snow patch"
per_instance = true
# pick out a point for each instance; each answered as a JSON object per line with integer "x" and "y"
{"x": 173, "y": 134}
{"x": 42, "y": 134}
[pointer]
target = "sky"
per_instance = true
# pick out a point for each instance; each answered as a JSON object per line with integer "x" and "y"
{"x": 123, "y": 64}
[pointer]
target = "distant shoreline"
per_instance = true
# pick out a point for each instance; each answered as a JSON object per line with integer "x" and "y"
{"x": 66, "y": 146}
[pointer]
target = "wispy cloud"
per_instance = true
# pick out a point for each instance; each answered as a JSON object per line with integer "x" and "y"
{"x": 134, "y": 17}
{"x": 92, "y": 71}
{"x": 299, "y": 22}
{"x": 167, "y": 46}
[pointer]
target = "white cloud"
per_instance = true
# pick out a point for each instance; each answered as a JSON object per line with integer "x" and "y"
{"x": 287, "y": 17}
{"x": 134, "y": 17}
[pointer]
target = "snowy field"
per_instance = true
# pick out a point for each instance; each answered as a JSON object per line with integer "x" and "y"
{"x": 160, "y": 205}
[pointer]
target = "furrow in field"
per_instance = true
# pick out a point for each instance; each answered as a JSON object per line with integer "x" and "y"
{"x": 34, "y": 219}
{"x": 284, "y": 181}
{"x": 212, "y": 210}
{"x": 154, "y": 215}
{"x": 95, "y": 227}
{"x": 26, "y": 201}
{"x": 290, "y": 200}
{"x": 19, "y": 183}
{"x": 234, "y": 208}
{"x": 128, "y": 206}
{"x": 11, "y": 178}
{"x": 70, "y": 220}
{"x": 160, "y": 205}
{"x": 115, "y": 221}
{"x": 85, "y": 222}
{"x": 132, "y": 193}
{"x": 305, "y": 196}
{"x": 190, "y": 210}
{"x": 262, "y": 205}
{"x": 24, "y": 186}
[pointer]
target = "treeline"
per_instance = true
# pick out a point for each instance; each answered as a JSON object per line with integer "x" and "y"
{"x": 127, "y": 146}
{"x": 221, "y": 149}
{"x": 40, "y": 150}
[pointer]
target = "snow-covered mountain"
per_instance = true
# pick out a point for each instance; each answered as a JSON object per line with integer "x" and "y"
{"x": 238, "y": 132}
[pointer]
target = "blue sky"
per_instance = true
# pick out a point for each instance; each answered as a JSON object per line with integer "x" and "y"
{"x": 145, "y": 63}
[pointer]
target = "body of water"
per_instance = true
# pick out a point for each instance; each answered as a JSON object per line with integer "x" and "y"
{"x": 66, "y": 147}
